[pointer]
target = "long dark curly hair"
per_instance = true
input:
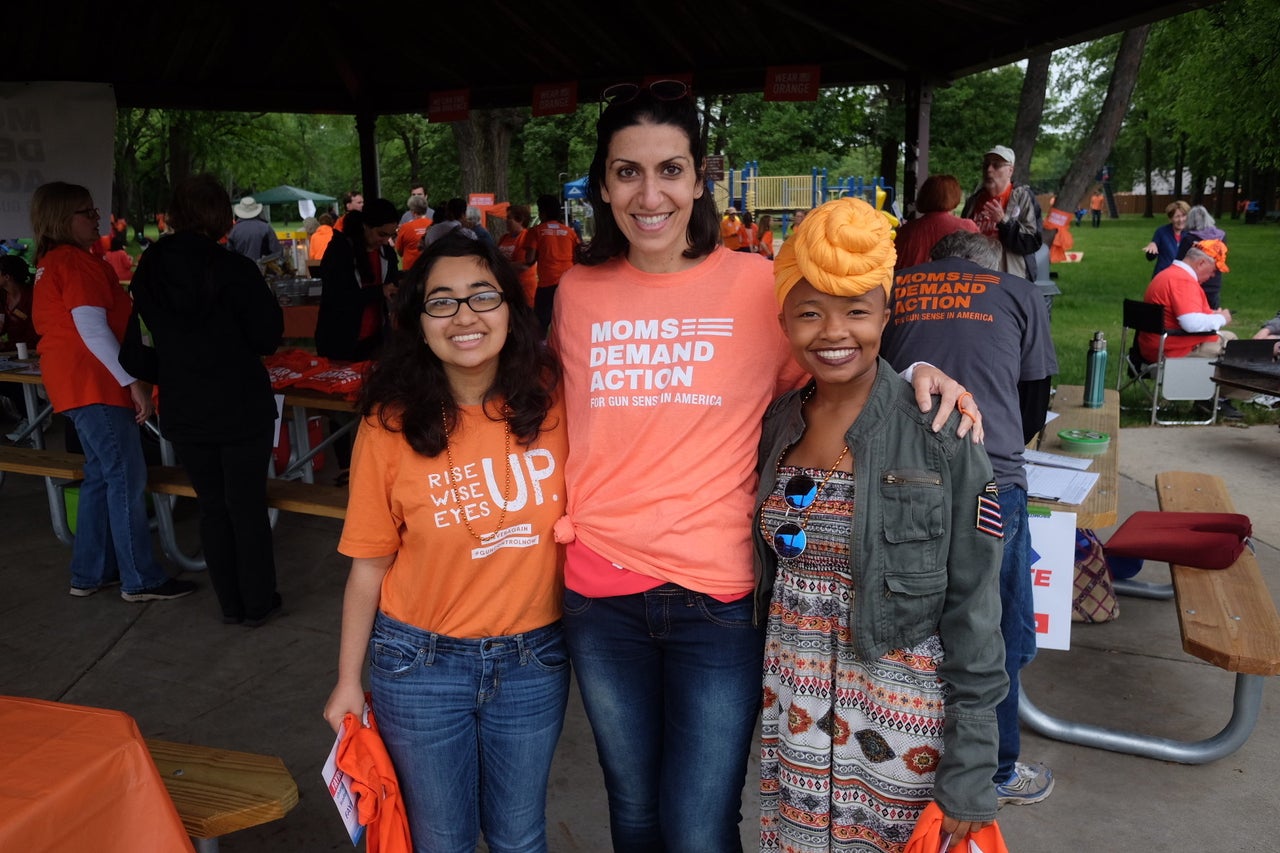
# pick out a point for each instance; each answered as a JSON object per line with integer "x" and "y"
{"x": 407, "y": 387}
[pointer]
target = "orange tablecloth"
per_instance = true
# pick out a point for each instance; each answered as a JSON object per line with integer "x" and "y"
{"x": 80, "y": 779}
{"x": 300, "y": 320}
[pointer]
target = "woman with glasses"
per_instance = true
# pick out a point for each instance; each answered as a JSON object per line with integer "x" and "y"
{"x": 671, "y": 353}
{"x": 457, "y": 479}
{"x": 878, "y": 541}
{"x": 81, "y": 311}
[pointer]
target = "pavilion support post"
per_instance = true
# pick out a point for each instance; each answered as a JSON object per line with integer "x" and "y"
{"x": 366, "y": 131}
{"x": 918, "y": 97}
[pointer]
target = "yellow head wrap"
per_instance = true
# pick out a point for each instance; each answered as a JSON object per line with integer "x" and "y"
{"x": 844, "y": 248}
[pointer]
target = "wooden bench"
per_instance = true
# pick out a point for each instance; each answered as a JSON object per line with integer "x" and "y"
{"x": 287, "y": 495}
{"x": 42, "y": 463}
{"x": 1227, "y": 618}
{"x": 219, "y": 791}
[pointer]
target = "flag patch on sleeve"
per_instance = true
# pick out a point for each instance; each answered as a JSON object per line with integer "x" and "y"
{"x": 989, "y": 520}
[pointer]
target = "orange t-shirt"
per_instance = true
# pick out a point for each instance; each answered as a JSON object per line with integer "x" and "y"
{"x": 443, "y": 579}
{"x": 409, "y": 240}
{"x": 68, "y": 277}
{"x": 319, "y": 242}
{"x": 733, "y": 233}
{"x": 122, "y": 262}
{"x": 516, "y": 249}
{"x": 667, "y": 377}
{"x": 555, "y": 243}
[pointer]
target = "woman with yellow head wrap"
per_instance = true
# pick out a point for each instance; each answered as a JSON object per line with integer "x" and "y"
{"x": 880, "y": 552}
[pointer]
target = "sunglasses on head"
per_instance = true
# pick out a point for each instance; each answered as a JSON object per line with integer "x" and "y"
{"x": 662, "y": 90}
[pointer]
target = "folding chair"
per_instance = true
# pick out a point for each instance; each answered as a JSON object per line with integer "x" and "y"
{"x": 1166, "y": 380}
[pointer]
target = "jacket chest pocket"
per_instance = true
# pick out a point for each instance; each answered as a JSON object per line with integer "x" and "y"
{"x": 914, "y": 509}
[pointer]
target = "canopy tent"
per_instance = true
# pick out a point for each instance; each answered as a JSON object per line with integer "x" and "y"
{"x": 576, "y": 189}
{"x": 284, "y": 192}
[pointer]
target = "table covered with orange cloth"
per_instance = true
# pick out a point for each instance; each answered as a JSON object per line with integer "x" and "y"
{"x": 80, "y": 778}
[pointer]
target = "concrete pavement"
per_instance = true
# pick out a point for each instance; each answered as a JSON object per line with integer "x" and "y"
{"x": 184, "y": 676}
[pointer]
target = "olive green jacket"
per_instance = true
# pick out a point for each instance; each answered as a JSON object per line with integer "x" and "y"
{"x": 919, "y": 564}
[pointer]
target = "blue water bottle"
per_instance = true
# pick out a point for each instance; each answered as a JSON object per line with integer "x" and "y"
{"x": 1095, "y": 371}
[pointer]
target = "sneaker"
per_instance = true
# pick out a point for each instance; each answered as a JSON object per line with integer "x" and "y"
{"x": 1228, "y": 412}
{"x": 172, "y": 588}
{"x": 86, "y": 591}
{"x": 1031, "y": 783}
{"x": 18, "y": 430}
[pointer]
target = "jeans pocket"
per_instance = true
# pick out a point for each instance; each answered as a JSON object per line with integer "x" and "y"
{"x": 392, "y": 657}
{"x": 575, "y": 604}
{"x": 738, "y": 613}
{"x": 552, "y": 654}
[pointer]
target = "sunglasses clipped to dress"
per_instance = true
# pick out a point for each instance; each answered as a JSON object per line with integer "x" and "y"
{"x": 800, "y": 493}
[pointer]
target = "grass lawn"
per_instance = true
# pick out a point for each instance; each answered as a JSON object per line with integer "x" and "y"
{"x": 1114, "y": 268}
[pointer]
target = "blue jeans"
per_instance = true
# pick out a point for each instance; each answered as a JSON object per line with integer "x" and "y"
{"x": 1017, "y": 619}
{"x": 670, "y": 679}
{"x": 471, "y": 726}
{"x": 113, "y": 537}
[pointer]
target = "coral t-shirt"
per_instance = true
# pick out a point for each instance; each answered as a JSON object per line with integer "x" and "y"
{"x": 516, "y": 249}
{"x": 409, "y": 240}
{"x": 1177, "y": 289}
{"x": 444, "y": 579}
{"x": 667, "y": 377}
{"x": 556, "y": 243}
{"x": 69, "y": 277}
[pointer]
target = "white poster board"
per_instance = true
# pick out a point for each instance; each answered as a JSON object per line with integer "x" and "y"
{"x": 54, "y": 132}
{"x": 1053, "y": 566}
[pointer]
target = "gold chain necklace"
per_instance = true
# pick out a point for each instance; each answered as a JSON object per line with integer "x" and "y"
{"x": 506, "y": 460}
{"x": 802, "y": 515}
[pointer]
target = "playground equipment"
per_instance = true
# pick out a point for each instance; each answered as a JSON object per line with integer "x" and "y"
{"x": 747, "y": 189}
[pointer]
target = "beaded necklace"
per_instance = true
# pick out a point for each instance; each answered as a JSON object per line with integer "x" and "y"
{"x": 506, "y": 460}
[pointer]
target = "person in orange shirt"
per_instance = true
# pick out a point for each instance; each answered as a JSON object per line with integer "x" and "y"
{"x": 457, "y": 480}
{"x": 409, "y": 235}
{"x": 552, "y": 250}
{"x": 81, "y": 311}
{"x": 119, "y": 258}
{"x": 766, "y": 236}
{"x": 1095, "y": 206}
{"x": 672, "y": 352}
{"x": 350, "y": 201}
{"x": 733, "y": 233}
{"x": 515, "y": 246}
{"x": 319, "y": 239}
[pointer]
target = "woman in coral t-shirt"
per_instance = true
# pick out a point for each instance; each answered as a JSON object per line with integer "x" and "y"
{"x": 80, "y": 311}
{"x": 457, "y": 479}
{"x": 671, "y": 351}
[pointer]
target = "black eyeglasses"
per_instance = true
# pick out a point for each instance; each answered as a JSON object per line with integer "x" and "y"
{"x": 789, "y": 538}
{"x": 663, "y": 90}
{"x": 447, "y": 306}
{"x": 91, "y": 212}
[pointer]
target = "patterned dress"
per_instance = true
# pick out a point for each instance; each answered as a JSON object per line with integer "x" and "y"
{"x": 849, "y": 747}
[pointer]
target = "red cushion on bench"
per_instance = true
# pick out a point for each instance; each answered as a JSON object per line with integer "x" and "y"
{"x": 1205, "y": 540}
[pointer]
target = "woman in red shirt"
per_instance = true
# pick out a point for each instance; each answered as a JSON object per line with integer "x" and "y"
{"x": 81, "y": 311}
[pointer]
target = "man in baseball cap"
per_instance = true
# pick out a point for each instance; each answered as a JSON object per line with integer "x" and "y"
{"x": 1007, "y": 213}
